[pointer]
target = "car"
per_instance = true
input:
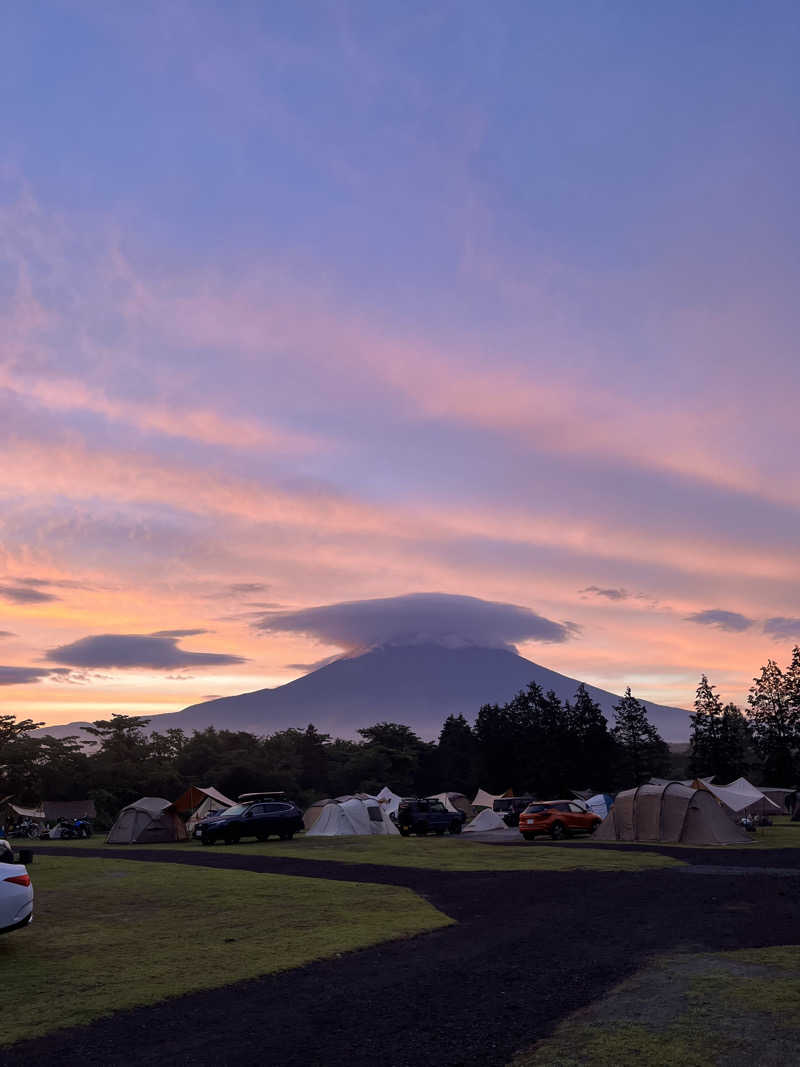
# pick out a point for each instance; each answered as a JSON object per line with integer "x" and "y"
{"x": 259, "y": 819}
{"x": 559, "y": 818}
{"x": 198, "y": 826}
{"x": 420, "y": 815}
{"x": 16, "y": 891}
{"x": 510, "y": 808}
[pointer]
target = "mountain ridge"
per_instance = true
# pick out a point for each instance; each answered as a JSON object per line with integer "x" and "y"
{"x": 418, "y": 685}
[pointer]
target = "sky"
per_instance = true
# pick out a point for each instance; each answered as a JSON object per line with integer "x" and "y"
{"x": 306, "y": 305}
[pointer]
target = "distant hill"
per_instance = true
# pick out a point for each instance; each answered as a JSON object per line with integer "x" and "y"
{"x": 419, "y": 685}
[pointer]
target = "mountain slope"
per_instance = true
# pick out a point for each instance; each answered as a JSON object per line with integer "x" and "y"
{"x": 419, "y": 685}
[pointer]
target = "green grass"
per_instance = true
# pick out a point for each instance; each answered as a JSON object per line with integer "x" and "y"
{"x": 112, "y": 934}
{"x": 688, "y": 1010}
{"x": 434, "y": 853}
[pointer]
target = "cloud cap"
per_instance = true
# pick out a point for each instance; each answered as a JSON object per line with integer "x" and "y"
{"x": 419, "y": 618}
{"x": 148, "y": 651}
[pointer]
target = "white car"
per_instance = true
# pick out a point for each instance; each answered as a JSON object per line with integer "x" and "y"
{"x": 16, "y": 891}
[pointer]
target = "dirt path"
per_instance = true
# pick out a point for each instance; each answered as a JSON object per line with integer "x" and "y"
{"x": 529, "y": 948}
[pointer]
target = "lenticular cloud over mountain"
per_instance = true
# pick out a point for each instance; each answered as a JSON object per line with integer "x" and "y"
{"x": 419, "y": 618}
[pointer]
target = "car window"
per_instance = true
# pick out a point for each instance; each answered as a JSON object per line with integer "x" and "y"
{"x": 532, "y": 809}
{"x": 237, "y": 809}
{"x": 436, "y": 805}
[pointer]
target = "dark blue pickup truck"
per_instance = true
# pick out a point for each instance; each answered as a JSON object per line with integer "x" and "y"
{"x": 420, "y": 816}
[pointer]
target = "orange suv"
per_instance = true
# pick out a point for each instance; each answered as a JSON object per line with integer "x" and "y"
{"x": 559, "y": 818}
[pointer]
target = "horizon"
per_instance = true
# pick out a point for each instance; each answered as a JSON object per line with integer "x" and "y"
{"x": 309, "y": 321}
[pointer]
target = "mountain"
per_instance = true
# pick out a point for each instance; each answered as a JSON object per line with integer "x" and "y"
{"x": 419, "y": 685}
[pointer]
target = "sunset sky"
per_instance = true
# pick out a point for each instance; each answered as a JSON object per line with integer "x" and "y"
{"x": 309, "y": 303}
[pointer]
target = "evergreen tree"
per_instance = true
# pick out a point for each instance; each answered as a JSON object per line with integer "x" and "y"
{"x": 457, "y": 757}
{"x": 775, "y": 719}
{"x": 594, "y": 748}
{"x": 734, "y": 743}
{"x": 643, "y": 753}
{"x": 706, "y": 732}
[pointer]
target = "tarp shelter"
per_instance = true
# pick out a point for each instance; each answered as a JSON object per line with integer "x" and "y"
{"x": 670, "y": 813}
{"x": 454, "y": 802}
{"x": 147, "y": 821}
{"x": 739, "y": 796}
{"x": 352, "y": 815}
{"x": 198, "y": 802}
{"x": 389, "y": 801}
{"x": 777, "y": 796}
{"x": 486, "y": 800}
{"x": 485, "y": 821}
{"x": 36, "y": 814}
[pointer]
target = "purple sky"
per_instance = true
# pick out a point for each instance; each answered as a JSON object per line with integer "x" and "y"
{"x": 312, "y": 303}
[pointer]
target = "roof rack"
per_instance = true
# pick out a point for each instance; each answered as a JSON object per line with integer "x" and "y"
{"x": 257, "y": 796}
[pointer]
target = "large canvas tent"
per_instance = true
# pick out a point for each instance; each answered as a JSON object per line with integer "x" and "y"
{"x": 198, "y": 802}
{"x": 147, "y": 821}
{"x": 352, "y": 815}
{"x": 670, "y": 813}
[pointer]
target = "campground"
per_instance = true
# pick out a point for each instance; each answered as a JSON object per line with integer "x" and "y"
{"x": 312, "y": 951}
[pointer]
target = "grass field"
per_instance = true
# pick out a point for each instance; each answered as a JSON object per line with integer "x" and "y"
{"x": 110, "y": 934}
{"x": 429, "y": 853}
{"x": 688, "y": 1010}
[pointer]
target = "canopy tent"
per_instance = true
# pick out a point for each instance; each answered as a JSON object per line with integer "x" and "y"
{"x": 390, "y": 801}
{"x": 147, "y": 820}
{"x": 673, "y": 812}
{"x": 344, "y": 816}
{"x": 198, "y": 802}
{"x": 454, "y": 802}
{"x": 486, "y": 800}
{"x": 485, "y": 821}
{"x": 739, "y": 796}
{"x": 600, "y": 804}
{"x": 36, "y": 814}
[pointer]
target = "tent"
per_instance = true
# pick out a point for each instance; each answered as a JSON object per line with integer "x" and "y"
{"x": 198, "y": 802}
{"x": 344, "y": 816}
{"x": 313, "y": 813}
{"x": 739, "y": 796}
{"x": 485, "y": 821}
{"x": 148, "y": 820}
{"x": 389, "y": 800}
{"x": 672, "y": 813}
{"x": 600, "y": 804}
{"x": 486, "y": 800}
{"x": 454, "y": 802}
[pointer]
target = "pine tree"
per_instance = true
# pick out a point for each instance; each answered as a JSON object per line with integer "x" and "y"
{"x": 775, "y": 719}
{"x": 594, "y": 754}
{"x": 734, "y": 742}
{"x": 457, "y": 755}
{"x": 706, "y": 731}
{"x": 644, "y": 754}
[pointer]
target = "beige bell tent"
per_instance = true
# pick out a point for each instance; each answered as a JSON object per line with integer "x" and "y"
{"x": 198, "y": 802}
{"x": 671, "y": 813}
{"x": 147, "y": 821}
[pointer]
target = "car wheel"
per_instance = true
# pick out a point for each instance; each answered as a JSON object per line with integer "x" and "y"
{"x": 455, "y": 826}
{"x": 528, "y": 835}
{"x": 558, "y": 831}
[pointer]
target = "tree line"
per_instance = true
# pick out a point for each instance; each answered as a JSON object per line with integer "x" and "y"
{"x": 534, "y": 744}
